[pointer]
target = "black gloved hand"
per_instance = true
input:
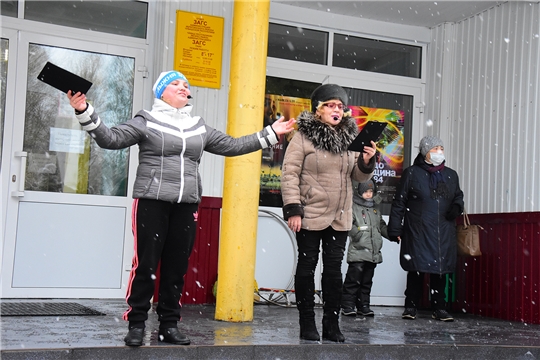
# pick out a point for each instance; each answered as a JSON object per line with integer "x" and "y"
{"x": 394, "y": 239}
{"x": 453, "y": 213}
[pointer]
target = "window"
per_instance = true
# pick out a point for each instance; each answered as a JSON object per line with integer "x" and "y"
{"x": 376, "y": 56}
{"x": 9, "y": 8}
{"x": 295, "y": 43}
{"x": 127, "y": 18}
{"x": 349, "y": 52}
{"x": 61, "y": 156}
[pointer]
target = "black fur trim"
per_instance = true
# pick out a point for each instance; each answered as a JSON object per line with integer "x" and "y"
{"x": 334, "y": 139}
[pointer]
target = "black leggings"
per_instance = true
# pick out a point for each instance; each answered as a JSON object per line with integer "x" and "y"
{"x": 333, "y": 246}
{"x": 165, "y": 232}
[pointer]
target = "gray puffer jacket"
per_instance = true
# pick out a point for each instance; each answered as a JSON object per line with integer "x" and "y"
{"x": 171, "y": 144}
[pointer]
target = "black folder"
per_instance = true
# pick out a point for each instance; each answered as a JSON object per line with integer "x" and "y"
{"x": 63, "y": 80}
{"x": 371, "y": 132}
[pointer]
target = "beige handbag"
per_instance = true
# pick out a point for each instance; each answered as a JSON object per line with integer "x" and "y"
{"x": 468, "y": 237}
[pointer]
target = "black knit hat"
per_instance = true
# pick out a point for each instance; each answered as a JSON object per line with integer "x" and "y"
{"x": 328, "y": 92}
{"x": 365, "y": 186}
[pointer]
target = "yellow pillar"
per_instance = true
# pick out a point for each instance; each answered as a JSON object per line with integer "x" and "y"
{"x": 237, "y": 248}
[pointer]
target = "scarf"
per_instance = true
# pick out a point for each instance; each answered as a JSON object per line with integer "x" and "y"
{"x": 435, "y": 175}
{"x": 436, "y": 180}
{"x": 359, "y": 200}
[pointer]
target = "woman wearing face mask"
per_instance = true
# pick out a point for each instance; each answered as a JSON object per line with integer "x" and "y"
{"x": 425, "y": 206}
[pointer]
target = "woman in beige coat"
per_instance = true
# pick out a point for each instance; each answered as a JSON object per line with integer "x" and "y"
{"x": 317, "y": 191}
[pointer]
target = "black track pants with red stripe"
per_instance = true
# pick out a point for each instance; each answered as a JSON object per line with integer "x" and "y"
{"x": 165, "y": 232}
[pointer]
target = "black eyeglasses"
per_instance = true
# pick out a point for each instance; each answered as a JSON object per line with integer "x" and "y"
{"x": 332, "y": 105}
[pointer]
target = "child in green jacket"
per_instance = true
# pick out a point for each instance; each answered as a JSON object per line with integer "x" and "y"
{"x": 364, "y": 252}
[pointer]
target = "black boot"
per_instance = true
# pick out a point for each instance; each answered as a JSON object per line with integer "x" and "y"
{"x": 304, "y": 288}
{"x": 331, "y": 288}
{"x": 134, "y": 337}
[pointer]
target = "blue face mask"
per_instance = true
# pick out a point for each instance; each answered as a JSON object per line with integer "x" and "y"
{"x": 436, "y": 158}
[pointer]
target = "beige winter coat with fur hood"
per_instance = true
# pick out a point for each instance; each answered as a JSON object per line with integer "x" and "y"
{"x": 317, "y": 171}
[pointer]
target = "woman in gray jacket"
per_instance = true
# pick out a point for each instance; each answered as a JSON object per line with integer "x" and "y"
{"x": 166, "y": 192}
{"x": 317, "y": 195}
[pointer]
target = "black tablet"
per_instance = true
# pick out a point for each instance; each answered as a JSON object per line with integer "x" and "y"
{"x": 63, "y": 80}
{"x": 371, "y": 132}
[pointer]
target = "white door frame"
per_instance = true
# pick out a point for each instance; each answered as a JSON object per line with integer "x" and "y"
{"x": 15, "y": 126}
{"x": 11, "y": 36}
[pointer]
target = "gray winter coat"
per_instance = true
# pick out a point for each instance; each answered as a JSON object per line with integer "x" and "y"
{"x": 366, "y": 233}
{"x": 171, "y": 144}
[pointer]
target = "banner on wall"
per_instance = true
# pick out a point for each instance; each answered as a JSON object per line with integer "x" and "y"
{"x": 390, "y": 147}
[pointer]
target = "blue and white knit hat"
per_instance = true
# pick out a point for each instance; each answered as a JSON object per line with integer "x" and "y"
{"x": 164, "y": 79}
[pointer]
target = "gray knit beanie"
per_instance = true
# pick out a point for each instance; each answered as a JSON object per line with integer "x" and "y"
{"x": 365, "y": 186}
{"x": 427, "y": 143}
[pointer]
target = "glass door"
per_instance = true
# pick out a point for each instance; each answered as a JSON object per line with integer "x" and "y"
{"x": 68, "y": 231}
{"x": 372, "y": 98}
{"x": 375, "y": 99}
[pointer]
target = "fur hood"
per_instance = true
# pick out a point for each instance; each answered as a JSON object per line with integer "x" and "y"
{"x": 325, "y": 137}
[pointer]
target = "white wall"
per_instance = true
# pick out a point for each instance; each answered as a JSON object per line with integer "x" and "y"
{"x": 483, "y": 96}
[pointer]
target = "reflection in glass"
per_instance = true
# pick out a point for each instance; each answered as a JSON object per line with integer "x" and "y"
{"x": 121, "y": 17}
{"x": 61, "y": 156}
{"x": 295, "y": 43}
{"x": 284, "y": 97}
{"x": 376, "y": 56}
{"x": 3, "y": 81}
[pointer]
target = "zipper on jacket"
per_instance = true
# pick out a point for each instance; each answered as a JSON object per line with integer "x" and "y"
{"x": 346, "y": 187}
{"x": 182, "y": 163}
{"x": 161, "y": 165}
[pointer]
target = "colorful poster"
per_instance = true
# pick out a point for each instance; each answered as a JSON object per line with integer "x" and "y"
{"x": 390, "y": 147}
{"x": 276, "y": 106}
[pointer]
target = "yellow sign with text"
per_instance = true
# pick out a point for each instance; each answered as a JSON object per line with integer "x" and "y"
{"x": 198, "y": 48}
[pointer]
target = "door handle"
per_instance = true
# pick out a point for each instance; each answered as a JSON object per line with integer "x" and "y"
{"x": 22, "y": 174}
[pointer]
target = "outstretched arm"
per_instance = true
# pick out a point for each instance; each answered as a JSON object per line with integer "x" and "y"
{"x": 280, "y": 126}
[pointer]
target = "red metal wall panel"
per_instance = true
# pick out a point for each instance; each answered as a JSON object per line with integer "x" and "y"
{"x": 504, "y": 282}
{"x": 202, "y": 269}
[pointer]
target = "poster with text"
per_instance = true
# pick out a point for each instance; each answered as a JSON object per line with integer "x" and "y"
{"x": 276, "y": 106}
{"x": 390, "y": 147}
